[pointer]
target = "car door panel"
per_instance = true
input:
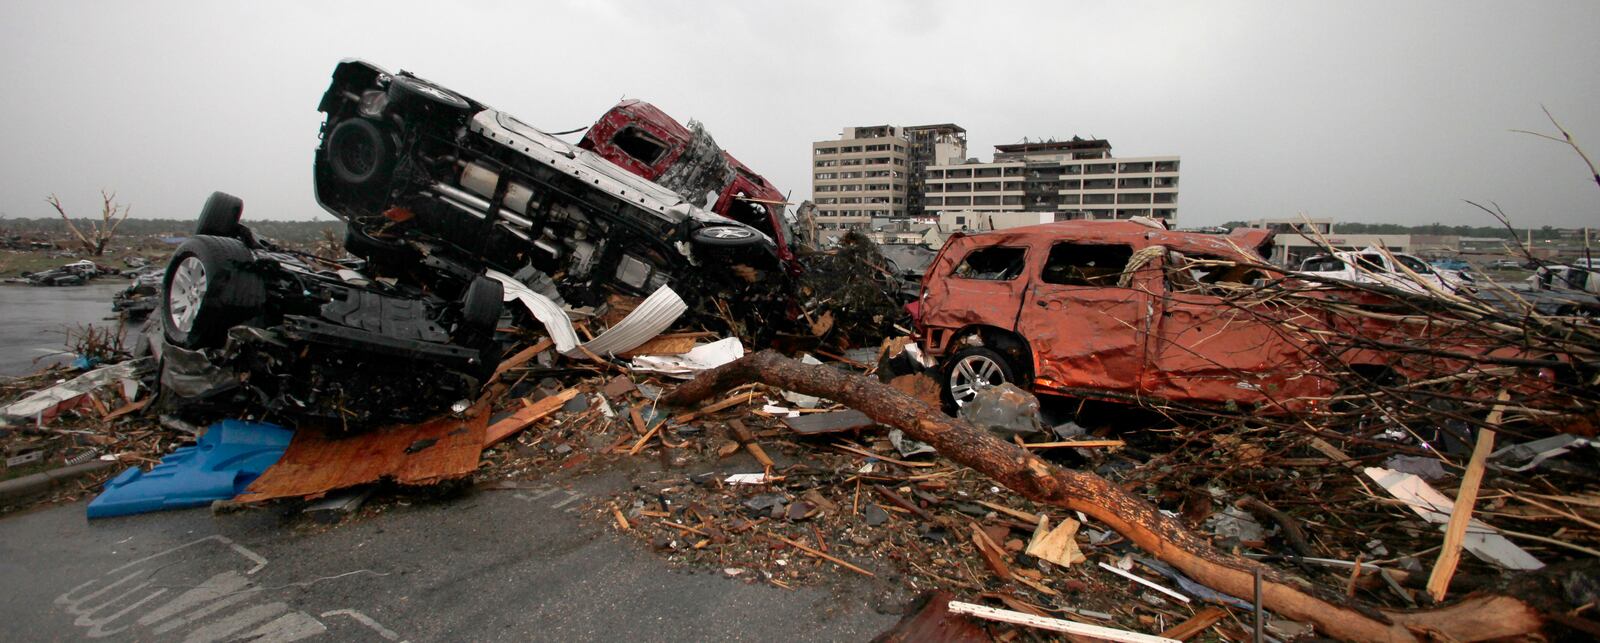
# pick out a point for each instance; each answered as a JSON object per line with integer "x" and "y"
{"x": 1085, "y": 336}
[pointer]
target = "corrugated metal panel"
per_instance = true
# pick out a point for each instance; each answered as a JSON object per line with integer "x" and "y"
{"x": 653, "y": 317}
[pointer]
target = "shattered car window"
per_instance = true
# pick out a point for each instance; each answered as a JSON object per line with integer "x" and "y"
{"x": 1414, "y": 264}
{"x": 1322, "y": 264}
{"x": 639, "y": 144}
{"x": 997, "y": 263}
{"x": 1373, "y": 263}
{"x": 1085, "y": 264}
{"x": 1208, "y": 274}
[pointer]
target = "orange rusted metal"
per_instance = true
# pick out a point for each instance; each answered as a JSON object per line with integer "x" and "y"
{"x": 1137, "y": 333}
{"x": 320, "y": 461}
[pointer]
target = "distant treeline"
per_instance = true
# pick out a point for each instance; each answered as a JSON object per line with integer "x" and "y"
{"x": 1440, "y": 229}
{"x": 288, "y": 231}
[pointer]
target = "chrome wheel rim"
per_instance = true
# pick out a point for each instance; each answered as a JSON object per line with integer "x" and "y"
{"x": 188, "y": 288}
{"x": 973, "y": 374}
{"x": 728, "y": 233}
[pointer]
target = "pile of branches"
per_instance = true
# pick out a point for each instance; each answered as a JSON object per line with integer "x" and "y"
{"x": 851, "y": 295}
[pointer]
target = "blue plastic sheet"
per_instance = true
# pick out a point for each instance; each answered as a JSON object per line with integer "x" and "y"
{"x": 226, "y": 459}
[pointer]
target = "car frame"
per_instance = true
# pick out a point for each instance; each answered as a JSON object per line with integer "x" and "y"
{"x": 1131, "y": 311}
{"x": 442, "y": 187}
{"x": 316, "y": 338}
{"x": 643, "y": 139}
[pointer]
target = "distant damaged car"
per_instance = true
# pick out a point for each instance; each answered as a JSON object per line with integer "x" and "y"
{"x": 1392, "y": 269}
{"x": 76, "y": 273}
{"x": 142, "y": 296}
{"x": 244, "y": 319}
{"x": 443, "y": 187}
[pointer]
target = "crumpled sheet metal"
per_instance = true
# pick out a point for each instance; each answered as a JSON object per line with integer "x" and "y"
{"x": 651, "y": 318}
{"x": 45, "y": 404}
{"x": 320, "y": 461}
{"x": 1136, "y": 339}
{"x": 191, "y": 375}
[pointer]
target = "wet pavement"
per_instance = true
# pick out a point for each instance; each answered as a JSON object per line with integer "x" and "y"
{"x": 34, "y": 321}
{"x": 523, "y": 564}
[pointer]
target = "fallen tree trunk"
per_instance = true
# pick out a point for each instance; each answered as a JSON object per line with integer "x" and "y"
{"x": 1510, "y": 612}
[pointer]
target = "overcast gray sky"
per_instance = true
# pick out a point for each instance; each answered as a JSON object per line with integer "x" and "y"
{"x": 1363, "y": 111}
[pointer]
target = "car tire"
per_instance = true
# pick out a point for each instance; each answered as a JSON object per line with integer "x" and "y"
{"x": 207, "y": 290}
{"x": 219, "y": 217}
{"x": 960, "y": 379}
{"x": 376, "y": 250}
{"x": 408, "y": 92}
{"x": 482, "y": 304}
{"x": 359, "y": 152}
{"x": 726, "y": 236}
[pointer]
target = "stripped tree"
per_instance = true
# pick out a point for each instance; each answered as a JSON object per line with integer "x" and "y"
{"x": 99, "y": 233}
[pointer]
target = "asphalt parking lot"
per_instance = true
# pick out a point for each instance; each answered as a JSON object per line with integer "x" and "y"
{"x": 518, "y": 564}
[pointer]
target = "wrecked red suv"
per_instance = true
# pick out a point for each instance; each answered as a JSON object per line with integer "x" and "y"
{"x": 1118, "y": 309}
{"x": 642, "y": 139}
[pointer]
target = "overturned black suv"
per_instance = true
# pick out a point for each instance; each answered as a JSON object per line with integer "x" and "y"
{"x": 441, "y": 187}
{"x": 247, "y": 320}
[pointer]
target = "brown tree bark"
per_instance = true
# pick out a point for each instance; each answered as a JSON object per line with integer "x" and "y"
{"x": 1476, "y": 617}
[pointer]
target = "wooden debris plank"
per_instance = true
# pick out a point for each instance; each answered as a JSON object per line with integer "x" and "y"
{"x": 673, "y": 344}
{"x": 527, "y": 416}
{"x": 991, "y": 552}
{"x": 1200, "y": 622}
{"x": 1450, "y": 554}
{"x": 1059, "y": 545}
{"x": 131, "y": 407}
{"x": 818, "y": 554}
{"x": 1024, "y": 516}
{"x": 1080, "y": 444}
{"x": 743, "y": 435}
{"x": 321, "y": 460}
{"x": 728, "y": 402}
{"x": 520, "y": 358}
{"x": 1052, "y": 624}
{"x": 639, "y": 446}
{"x": 902, "y": 502}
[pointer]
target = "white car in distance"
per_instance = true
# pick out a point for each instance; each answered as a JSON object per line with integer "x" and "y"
{"x": 1373, "y": 266}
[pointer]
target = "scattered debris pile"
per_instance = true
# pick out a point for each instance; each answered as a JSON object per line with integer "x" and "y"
{"x": 1336, "y": 500}
{"x": 852, "y": 296}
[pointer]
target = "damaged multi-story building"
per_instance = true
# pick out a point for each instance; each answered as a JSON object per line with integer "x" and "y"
{"x": 874, "y": 174}
{"x": 1045, "y": 181}
{"x": 877, "y": 172}
{"x": 859, "y": 176}
{"x": 945, "y": 143}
